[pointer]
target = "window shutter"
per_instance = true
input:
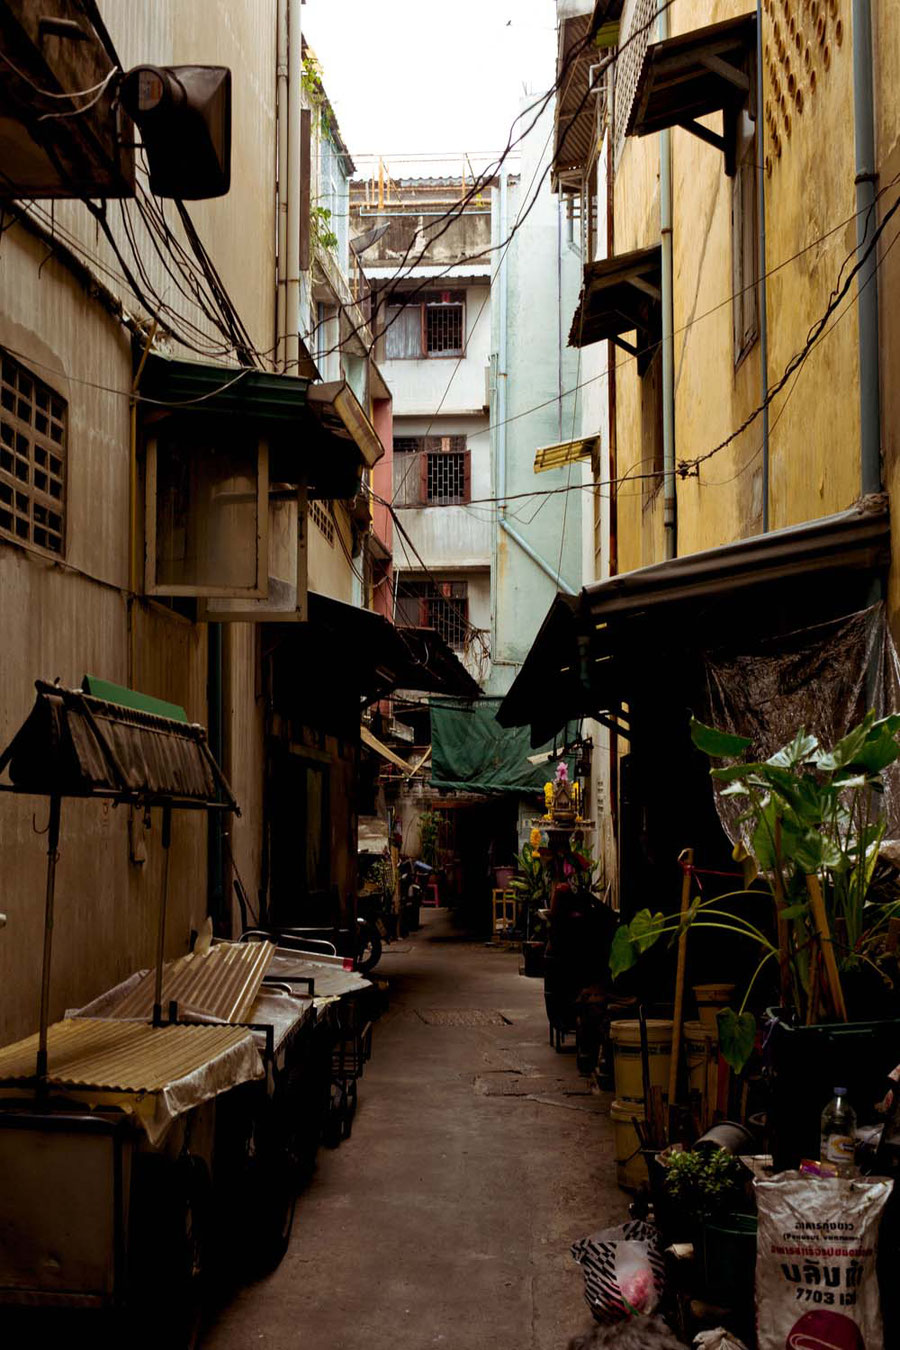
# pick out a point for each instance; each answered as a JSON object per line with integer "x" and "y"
{"x": 423, "y": 472}
{"x": 467, "y": 476}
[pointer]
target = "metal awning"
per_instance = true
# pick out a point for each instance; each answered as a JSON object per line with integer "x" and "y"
{"x": 621, "y": 295}
{"x": 695, "y": 74}
{"x": 575, "y": 134}
{"x": 590, "y": 646}
{"x": 568, "y": 452}
{"x": 73, "y": 744}
{"x": 374, "y": 656}
{"x": 319, "y": 429}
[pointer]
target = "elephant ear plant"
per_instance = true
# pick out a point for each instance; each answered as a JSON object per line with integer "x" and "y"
{"x": 812, "y": 830}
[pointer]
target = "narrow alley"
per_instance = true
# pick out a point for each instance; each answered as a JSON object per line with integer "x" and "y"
{"x": 478, "y": 1155}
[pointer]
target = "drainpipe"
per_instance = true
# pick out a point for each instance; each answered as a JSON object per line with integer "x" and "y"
{"x": 216, "y": 740}
{"x": 670, "y": 522}
{"x": 283, "y": 175}
{"x": 866, "y": 222}
{"x": 292, "y": 248}
{"x": 761, "y": 288}
{"x": 501, "y": 402}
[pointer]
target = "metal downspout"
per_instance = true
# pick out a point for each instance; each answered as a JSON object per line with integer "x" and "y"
{"x": 216, "y": 739}
{"x": 670, "y": 521}
{"x": 763, "y": 268}
{"x": 283, "y": 173}
{"x": 292, "y": 247}
{"x": 501, "y": 404}
{"x": 866, "y": 223}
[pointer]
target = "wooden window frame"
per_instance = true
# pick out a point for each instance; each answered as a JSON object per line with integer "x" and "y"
{"x": 25, "y": 446}
{"x": 422, "y": 303}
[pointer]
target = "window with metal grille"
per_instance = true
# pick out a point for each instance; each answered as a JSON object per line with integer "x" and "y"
{"x": 32, "y": 459}
{"x": 431, "y": 471}
{"x": 323, "y": 519}
{"x": 442, "y": 605}
{"x": 428, "y": 323}
{"x": 636, "y": 31}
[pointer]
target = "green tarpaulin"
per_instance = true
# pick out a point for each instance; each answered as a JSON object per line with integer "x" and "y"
{"x": 472, "y": 752}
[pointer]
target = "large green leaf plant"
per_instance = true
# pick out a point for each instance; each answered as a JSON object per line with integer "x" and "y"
{"x": 812, "y": 827}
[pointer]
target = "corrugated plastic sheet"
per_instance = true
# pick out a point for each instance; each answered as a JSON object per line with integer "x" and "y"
{"x": 119, "y": 1056}
{"x": 223, "y": 983}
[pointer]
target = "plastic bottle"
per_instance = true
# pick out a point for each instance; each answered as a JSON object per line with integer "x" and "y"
{"x": 839, "y": 1134}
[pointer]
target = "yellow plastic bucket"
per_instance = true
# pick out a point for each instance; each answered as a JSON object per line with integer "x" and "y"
{"x": 631, "y": 1169}
{"x": 710, "y": 998}
{"x": 700, "y": 1046}
{"x": 626, "y": 1044}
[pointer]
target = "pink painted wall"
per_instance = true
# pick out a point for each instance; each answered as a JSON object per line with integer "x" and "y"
{"x": 382, "y": 524}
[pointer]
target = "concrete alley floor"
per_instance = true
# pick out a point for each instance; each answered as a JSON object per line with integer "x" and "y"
{"x": 478, "y": 1155}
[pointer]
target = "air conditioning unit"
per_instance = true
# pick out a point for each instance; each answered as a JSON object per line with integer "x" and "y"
{"x": 184, "y": 116}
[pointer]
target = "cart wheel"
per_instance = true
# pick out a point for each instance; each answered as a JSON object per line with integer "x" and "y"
{"x": 168, "y": 1252}
{"x": 369, "y": 953}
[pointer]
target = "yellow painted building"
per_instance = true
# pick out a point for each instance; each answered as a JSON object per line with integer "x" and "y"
{"x": 750, "y": 523}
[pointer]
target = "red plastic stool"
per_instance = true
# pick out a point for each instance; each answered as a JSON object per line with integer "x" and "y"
{"x": 432, "y": 896}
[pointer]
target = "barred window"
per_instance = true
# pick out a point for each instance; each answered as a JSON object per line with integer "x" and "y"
{"x": 431, "y": 471}
{"x": 427, "y": 323}
{"x": 323, "y": 520}
{"x": 442, "y": 605}
{"x": 32, "y": 459}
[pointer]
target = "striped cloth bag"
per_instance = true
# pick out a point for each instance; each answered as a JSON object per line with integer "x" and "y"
{"x": 623, "y": 1270}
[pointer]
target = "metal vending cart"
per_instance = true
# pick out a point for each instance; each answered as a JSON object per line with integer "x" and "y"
{"x": 108, "y": 1127}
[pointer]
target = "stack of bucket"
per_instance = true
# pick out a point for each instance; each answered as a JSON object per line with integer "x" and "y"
{"x": 629, "y": 1104}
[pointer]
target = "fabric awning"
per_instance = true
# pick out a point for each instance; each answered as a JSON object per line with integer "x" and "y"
{"x": 73, "y": 744}
{"x": 591, "y": 648}
{"x": 568, "y": 452}
{"x": 694, "y": 74}
{"x": 621, "y": 295}
{"x": 472, "y": 752}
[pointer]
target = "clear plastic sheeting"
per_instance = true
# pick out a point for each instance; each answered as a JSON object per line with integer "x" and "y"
{"x": 823, "y": 678}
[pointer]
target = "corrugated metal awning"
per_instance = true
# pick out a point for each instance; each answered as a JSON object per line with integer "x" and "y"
{"x": 568, "y": 452}
{"x": 75, "y": 745}
{"x": 221, "y": 983}
{"x": 575, "y": 133}
{"x": 592, "y": 646}
{"x": 119, "y": 1056}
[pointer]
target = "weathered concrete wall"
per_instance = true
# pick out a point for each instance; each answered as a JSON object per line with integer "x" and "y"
{"x": 457, "y": 386}
{"x": 68, "y": 617}
{"x": 809, "y": 195}
{"x": 447, "y": 536}
{"x": 544, "y": 278}
{"x": 409, "y": 235}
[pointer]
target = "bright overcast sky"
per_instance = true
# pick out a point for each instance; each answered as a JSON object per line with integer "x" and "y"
{"x": 429, "y": 76}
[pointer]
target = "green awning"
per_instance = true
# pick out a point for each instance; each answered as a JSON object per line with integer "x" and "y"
{"x": 472, "y": 752}
{"x": 321, "y": 431}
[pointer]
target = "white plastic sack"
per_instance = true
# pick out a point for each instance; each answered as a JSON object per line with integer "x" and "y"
{"x": 816, "y": 1286}
{"x": 623, "y": 1271}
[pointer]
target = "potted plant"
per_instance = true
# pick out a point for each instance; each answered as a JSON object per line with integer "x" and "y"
{"x": 706, "y": 1194}
{"x": 811, "y": 830}
{"x": 532, "y": 890}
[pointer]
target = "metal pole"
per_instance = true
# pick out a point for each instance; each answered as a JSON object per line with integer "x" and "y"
{"x": 52, "y": 856}
{"x": 761, "y": 285}
{"x": 867, "y": 277}
{"x": 293, "y": 224}
{"x": 670, "y": 504}
{"x": 163, "y": 906}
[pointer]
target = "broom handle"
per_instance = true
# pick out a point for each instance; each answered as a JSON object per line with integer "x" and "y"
{"x": 686, "y": 859}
